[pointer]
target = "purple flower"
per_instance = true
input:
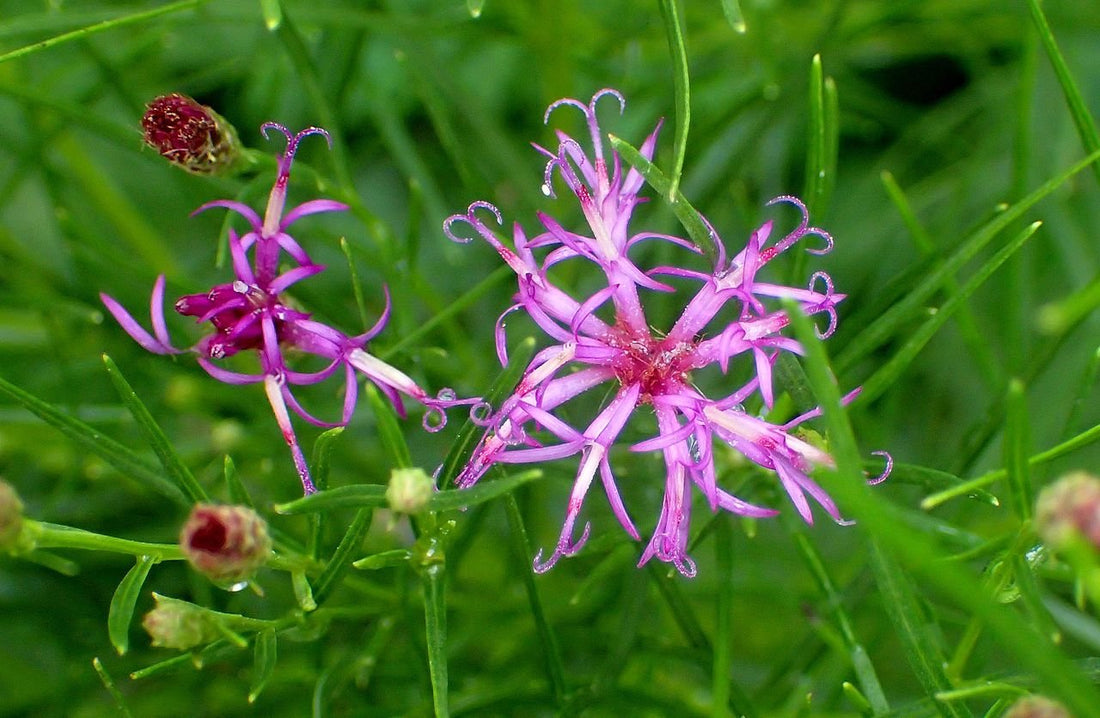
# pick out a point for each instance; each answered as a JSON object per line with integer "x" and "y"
{"x": 250, "y": 313}
{"x": 646, "y": 368}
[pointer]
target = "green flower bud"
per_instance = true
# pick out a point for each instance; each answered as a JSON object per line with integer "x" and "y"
{"x": 228, "y": 544}
{"x": 11, "y": 517}
{"x": 178, "y": 624}
{"x": 409, "y": 490}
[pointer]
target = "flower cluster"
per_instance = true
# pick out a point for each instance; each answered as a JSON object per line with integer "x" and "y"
{"x": 606, "y": 339}
{"x": 250, "y": 313}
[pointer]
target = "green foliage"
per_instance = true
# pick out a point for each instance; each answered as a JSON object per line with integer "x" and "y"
{"x": 930, "y": 139}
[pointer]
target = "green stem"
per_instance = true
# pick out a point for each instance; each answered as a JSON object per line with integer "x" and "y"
{"x": 433, "y": 580}
{"x": 522, "y": 546}
{"x": 673, "y": 18}
{"x": 100, "y": 27}
{"x": 57, "y": 536}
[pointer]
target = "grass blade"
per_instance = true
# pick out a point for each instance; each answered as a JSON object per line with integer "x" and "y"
{"x": 124, "y": 460}
{"x": 1078, "y": 109}
{"x": 121, "y": 611}
{"x": 889, "y": 372}
{"x": 162, "y": 447}
{"x": 263, "y": 662}
{"x": 879, "y": 331}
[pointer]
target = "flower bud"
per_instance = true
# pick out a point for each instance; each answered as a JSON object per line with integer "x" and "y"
{"x": 226, "y": 543}
{"x": 409, "y": 490}
{"x": 1068, "y": 511}
{"x": 1037, "y": 707}
{"x": 11, "y": 517}
{"x": 189, "y": 135}
{"x": 178, "y": 624}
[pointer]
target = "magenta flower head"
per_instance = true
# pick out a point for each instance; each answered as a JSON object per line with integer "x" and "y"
{"x": 606, "y": 339}
{"x": 250, "y": 313}
{"x": 189, "y": 135}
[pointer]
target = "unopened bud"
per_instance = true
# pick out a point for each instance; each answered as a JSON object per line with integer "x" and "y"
{"x": 178, "y": 624}
{"x": 1037, "y": 707}
{"x": 189, "y": 135}
{"x": 11, "y": 517}
{"x": 228, "y": 544}
{"x": 1068, "y": 511}
{"x": 409, "y": 490}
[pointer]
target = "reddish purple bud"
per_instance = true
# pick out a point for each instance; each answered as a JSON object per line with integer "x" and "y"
{"x": 1037, "y": 707}
{"x": 228, "y": 544}
{"x": 188, "y": 134}
{"x": 1068, "y": 511}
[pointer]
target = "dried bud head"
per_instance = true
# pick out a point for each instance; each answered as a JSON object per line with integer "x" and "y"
{"x": 188, "y": 134}
{"x": 11, "y": 517}
{"x": 1037, "y": 707}
{"x": 226, "y": 543}
{"x": 409, "y": 490}
{"x": 1068, "y": 511}
{"x": 178, "y": 624}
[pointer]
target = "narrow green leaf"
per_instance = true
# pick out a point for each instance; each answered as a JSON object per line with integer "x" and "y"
{"x": 722, "y": 645}
{"x": 681, "y": 89}
{"x": 1084, "y": 390}
{"x": 454, "y": 499}
{"x": 173, "y": 465}
{"x": 49, "y": 535}
{"x": 889, "y": 372}
{"x": 356, "y": 285}
{"x": 861, "y": 663}
{"x": 1016, "y": 448}
{"x": 101, "y": 27}
{"x": 859, "y": 701}
{"x": 502, "y": 386}
{"x": 109, "y": 684}
{"x": 682, "y": 612}
{"x": 732, "y": 10}
{"x": 120, "y": 457}
{"x": 322, "y": 455}
{"x": 1058, "y": 317}
{"x": 819, "y": 166}
{"x": 416, "y": 337}
{"x": 1078, "y": 108}
{"x": 1079, "y": 441}
{"x": 384, "y": 559}
{"x": 342, "y": 497}
{"x": 935, "y": 480}
{"x": 303, "y": 592}
{"x": 273, "y": 17}
{"x": 914, "y": 553}
{"x": 433, "y": 581}
{"x": 341, "y": 558}
{"x": 521, "y": 544}
{"x": 121, "y": 611}
{"x": 913, "y": 630}
{"x": 389, "y": 431}
{"x": 264, "y": 655}
{"x": 693, "y": 222}
{"x": 901, "y": 312}
{"x": 236, "y": 490}
{"x": 977, "y": 344}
